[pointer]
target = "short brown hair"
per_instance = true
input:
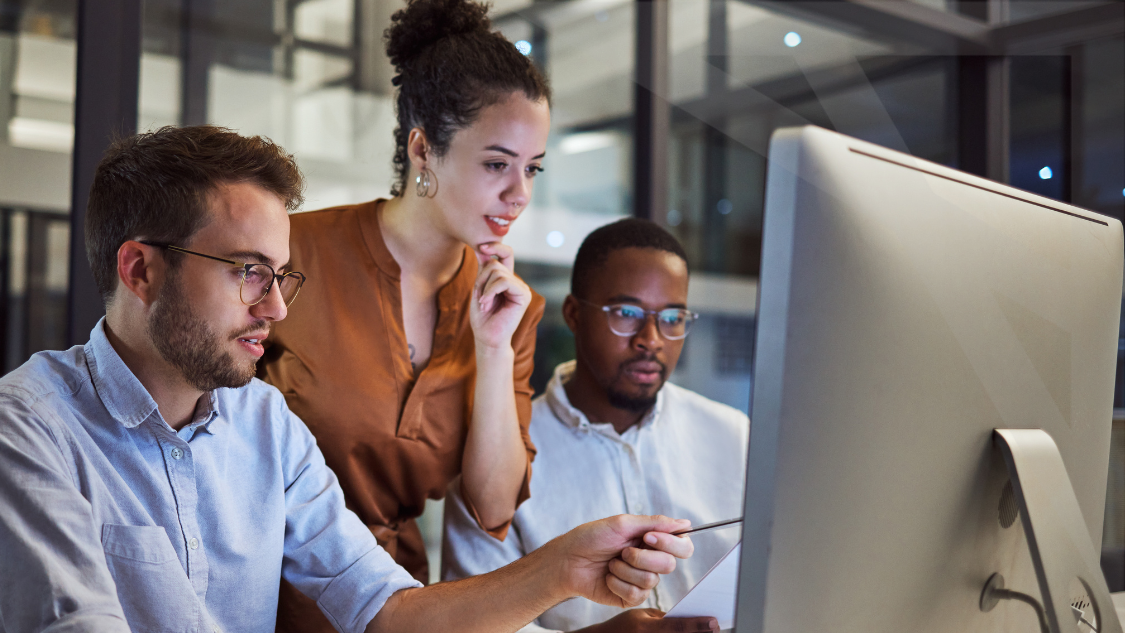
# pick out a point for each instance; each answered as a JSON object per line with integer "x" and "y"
{"x": 155, "y": 186}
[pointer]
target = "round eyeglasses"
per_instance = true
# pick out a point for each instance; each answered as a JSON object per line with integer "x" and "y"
{"x": 626, "y": 320}
{"x": 257, "y": 279}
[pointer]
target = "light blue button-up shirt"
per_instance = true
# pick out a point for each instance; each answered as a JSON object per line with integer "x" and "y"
{"x": 110, "y": 520}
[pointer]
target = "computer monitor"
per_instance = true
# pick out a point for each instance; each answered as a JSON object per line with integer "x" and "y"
{"x": 906, "y": 310}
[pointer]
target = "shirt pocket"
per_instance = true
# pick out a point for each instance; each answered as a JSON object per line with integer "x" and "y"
{"x": 153, "y": 588}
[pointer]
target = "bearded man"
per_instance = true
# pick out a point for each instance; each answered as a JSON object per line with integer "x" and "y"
{"x": 614, "y": 436}
{"x": 148, "y": 482}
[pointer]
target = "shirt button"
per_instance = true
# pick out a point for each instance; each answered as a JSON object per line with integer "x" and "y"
{"x": 177, "y": 453}
{"x": 193, "y": 543}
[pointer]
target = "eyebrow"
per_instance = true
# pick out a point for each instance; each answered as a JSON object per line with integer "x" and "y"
{"x": 256, "y": 257}
{"x": 632, "y": 299}
{"x": 505, "y": 150}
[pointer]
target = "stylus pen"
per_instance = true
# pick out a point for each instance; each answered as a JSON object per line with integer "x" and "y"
{"x": 708, "y": 526}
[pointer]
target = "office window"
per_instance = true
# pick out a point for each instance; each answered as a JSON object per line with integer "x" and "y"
{"x": 301, "y": 73}
{"x": 587, "y": 52}
{"x": 37, "y": 89}
{"x": 739, "y": 71}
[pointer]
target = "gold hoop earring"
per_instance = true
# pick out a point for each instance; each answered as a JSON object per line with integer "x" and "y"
{"x": 422, "y": 183}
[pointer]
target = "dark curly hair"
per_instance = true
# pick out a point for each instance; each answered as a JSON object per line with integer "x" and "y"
{"x": 155, "y": 186}
{"x": 626, "y": 233}
{"x": 450, "y": 66}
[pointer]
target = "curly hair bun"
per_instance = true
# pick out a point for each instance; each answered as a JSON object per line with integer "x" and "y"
{"x": 425, "y": 22}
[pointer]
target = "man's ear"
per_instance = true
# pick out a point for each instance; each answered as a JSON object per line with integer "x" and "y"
{"x": 141, "y": 269}
{"x": 570, "y": 313}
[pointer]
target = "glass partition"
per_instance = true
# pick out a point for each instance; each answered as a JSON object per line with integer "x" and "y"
{"x": 37, "y": 88}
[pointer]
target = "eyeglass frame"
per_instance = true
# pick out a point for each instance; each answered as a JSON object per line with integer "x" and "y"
{"x": 656, "y": 313}
{"x": 246, "y": 266}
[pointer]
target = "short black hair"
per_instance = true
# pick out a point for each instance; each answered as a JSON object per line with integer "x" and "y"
{"x": 156, "y": 185}
{"x": 450, "y": 65}
{"x": 626, "y": 233}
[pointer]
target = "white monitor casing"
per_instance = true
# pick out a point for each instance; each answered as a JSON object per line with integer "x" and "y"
{"x": 905, "y": 311}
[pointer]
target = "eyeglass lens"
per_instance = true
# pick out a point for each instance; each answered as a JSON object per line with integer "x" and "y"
{"x": 256, "y": 283}
{"x": 627, "y": 320}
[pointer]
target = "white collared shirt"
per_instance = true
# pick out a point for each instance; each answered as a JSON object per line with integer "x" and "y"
{"x": 685, "y": 459}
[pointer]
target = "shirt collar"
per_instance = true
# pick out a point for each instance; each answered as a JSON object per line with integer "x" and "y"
{"x": 122, "y": 393}
{"x": 575, "y": 419}
{"x": 206, "y": 412}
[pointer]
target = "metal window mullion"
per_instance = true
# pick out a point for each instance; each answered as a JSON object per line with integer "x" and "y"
{"x": 652, "y": 111}
{"x": 5, "y": 285}
{"x": 197, "y": 48}
{"x": 108, "y": 82}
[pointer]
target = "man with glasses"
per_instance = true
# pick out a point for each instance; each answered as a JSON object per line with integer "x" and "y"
{"x": 148, "y": 482}
{"x": 613, "y": 436}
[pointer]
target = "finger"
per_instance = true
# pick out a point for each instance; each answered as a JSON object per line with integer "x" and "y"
{"x": 689, "y": 625}
{"x": 515, "y": 289}
{"x": 483, "y": 256}
{"x": 502, "y": 281}
{"x": 638, "y": 525}
{"x": 490, "y": 270}
{"x": 636, "y": 577}
{"x": 487, "y": 272}
{"x": 500, "y": 252}
{"x": 651, "y": 560}
{"x": 630, "y": 595}
{"x": 678, "y": 546}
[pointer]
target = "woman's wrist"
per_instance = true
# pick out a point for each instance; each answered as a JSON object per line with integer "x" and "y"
{"x": 488, "y": 354}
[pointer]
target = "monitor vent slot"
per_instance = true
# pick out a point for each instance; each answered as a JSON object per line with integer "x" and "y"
{"x": 1009, "y": 511}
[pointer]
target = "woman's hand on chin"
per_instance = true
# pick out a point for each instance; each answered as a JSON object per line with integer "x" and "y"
{"x": 499, "y": 297}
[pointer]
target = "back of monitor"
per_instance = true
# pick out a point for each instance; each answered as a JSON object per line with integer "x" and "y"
{"x": 906, "y": 310}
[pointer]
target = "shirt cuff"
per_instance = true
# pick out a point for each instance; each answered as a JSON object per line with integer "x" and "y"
{"x": 353, "y": 599}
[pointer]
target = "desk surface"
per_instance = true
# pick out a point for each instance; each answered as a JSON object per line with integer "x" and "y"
{"x": 1119, "y": 602}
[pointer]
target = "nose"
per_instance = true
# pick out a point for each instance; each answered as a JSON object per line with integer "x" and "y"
{"x": 518, "y": 194}
{"x": 272, "y": 308}
{"x": 648, "y": 338}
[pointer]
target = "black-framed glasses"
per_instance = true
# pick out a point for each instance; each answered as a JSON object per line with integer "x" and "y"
{"x": 257, "y": 279}
{"x": 626, "y": 320}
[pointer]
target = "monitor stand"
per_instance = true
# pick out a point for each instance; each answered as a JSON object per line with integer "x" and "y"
{"x": 1056, "y": 535}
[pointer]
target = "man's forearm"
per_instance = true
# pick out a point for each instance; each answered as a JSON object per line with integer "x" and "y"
{"x": 502, "y": 601}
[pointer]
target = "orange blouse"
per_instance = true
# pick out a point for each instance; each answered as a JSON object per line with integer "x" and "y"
{"x": 340, "y": 358}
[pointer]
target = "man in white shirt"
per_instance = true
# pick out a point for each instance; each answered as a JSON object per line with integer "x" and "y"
{"x": 614, "y": 438}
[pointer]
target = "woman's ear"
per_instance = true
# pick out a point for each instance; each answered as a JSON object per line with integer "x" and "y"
{"x": 418, "y": 148}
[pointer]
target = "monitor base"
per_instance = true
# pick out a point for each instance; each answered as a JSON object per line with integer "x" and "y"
{"x": 1056, "y": 533}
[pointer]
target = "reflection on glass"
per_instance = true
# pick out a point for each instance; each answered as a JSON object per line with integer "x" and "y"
{"x": 299, "y": 73}
{"x": 741, "y": 71}
{"x": 37, "y": 91}
{"x": 587, "y": 52}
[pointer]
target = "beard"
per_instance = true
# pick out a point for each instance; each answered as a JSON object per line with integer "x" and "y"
{"x": 189, "y": 344}
{"x": 631, "y": 402}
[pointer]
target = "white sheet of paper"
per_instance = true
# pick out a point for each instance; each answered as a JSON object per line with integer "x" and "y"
{"x": 714, "y": 594}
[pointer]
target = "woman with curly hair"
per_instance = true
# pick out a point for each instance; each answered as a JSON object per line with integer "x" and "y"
{"x": 410, "y": 353}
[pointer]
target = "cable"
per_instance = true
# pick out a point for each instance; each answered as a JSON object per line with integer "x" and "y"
{"x": 994, "y": 592}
